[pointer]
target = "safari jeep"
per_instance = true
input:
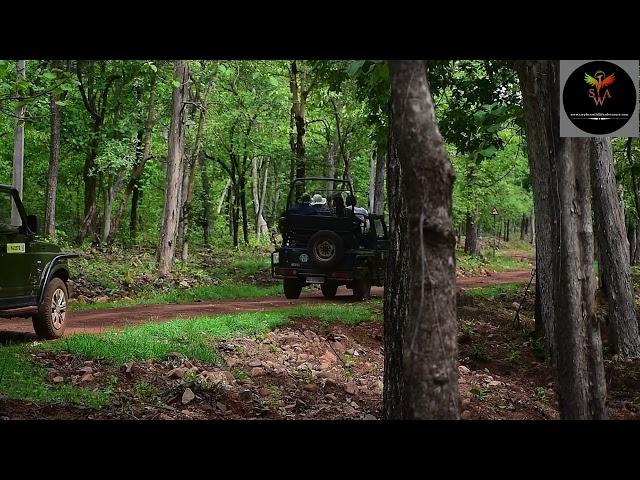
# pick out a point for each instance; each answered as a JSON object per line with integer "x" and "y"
{"x": 33, "y": 273}
{"x": 331, "y": 246}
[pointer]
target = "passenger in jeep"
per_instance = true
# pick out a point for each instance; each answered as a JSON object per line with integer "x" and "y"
{"x": 304, "y": 207}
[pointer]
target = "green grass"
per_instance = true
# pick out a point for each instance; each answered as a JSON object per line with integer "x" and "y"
{"x": 495, "y": 290}
{"x": 188, "y": 295}
{"x": 498, "y": 263}
{"x": 195, "y": 337}
{"x": 21, "y": 379}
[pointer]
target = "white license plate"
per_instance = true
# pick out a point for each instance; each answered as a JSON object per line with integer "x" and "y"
{"x": 315, "y": 279}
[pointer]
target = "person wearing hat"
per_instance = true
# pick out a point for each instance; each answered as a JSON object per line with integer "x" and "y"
{"x": 320, "y": 204}
{"x": 303, "y": 207}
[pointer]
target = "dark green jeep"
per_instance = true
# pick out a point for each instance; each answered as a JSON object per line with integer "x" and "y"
{"x": 34, "y": 276}
{"x": 328, "y": 240}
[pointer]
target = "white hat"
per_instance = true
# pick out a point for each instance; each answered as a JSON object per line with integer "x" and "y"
{"x": 318, "y": 199}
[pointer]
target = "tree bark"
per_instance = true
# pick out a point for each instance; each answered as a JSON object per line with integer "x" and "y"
{"x": 614, "y": 252}
{"x": 378, "y": 192}
{"x": 206, "y": 199}
{"x": 17, "y": 174}
{"x": 135, "y": 200}
{"x": 537, "y": 87}
{"x": 54, "y": 164}
{"x": 471, "y": 235}
{"x": 565, "y": 240}
{"x": 185, "y": 218}
{"x": 171, "y": 212}
{"x": 580, "y": 364}
{"x": 430, "y": 367}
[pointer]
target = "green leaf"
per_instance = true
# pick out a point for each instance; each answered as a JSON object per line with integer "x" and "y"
{"x": 49, "y": 75}
{"x": 488, "y": 152}
{"x": 354, "y": 67}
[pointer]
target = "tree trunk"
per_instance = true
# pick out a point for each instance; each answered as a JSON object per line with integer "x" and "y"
{"x": 171, "y": 212}
{"x": 206, "y": 199}
{"x": 523, "y": 226}
{"x": 471, "y": 235}
{"x": 133, "y": 222}
{"x": 378, "y": 193}
{"x": 565, "y": 240}
{"x": 185, "y": 218}
{"x": 631, "y": 237}
{"x": 138, "y": 170}
{"x": 259, "y": 175}
{"x": 18, "y": 147}
{"x": 396, "y": 287}
{"x": 430, "y": 367}
{"x": 299, "y": 94}
{"x": 90, "y": 183}
{"x": 54, "y": 164}
{"x": 580, "y": 365}
{"x": 243, "y": 206}
{"x": 624, "y": 336}
{"x": 536, "y": 85}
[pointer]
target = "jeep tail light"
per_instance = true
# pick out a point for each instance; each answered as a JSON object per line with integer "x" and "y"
{"x": 342, "y": 275}
{"x": 287, "y": 271}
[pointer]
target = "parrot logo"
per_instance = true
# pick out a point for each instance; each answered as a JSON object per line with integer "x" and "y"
{"x": 600, "y": 81}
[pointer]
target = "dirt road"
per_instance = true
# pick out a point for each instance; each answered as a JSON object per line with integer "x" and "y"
{"x": 95, "y": 321}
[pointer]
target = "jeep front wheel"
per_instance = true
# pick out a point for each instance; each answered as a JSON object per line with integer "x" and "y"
{"x": 49, "y": 322}
{"x": 292, "y": 287}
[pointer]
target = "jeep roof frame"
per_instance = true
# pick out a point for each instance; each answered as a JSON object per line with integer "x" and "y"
{"x": 17, "y": 200}
{"x": 326, "y": 179}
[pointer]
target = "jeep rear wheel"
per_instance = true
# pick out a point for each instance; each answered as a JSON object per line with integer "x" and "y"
{"x": 49, "y": 322}
{"x": 329, "y": 288}
{"x": 292, "y": 287}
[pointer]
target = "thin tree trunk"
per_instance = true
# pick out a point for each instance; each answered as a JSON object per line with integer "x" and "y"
{"x": 471, "y": 235}
{"x": 206, "y": 199}
{"x": 223, "y": 196}
{"x": 613, "y": 251}
{"x": 133, "y": 221}
{"x": 171, "y": 212}
{"x": 54, "y": 164}
{"x": 430, "y": 366}
{"x": 378, "y": 192}
{"x": 18, "y": 147}
{"x": 138, "y": 170}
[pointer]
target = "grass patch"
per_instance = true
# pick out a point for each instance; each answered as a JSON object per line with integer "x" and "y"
{"x": 498, "y": 263}
{"x": 188, "y": 295}
{"x": 21, "y": 379}
{"x": 195, "y": 337}
{"x": 491, "y": 291}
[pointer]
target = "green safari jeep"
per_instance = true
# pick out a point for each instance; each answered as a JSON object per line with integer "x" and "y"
{"x": 34, "y": 276}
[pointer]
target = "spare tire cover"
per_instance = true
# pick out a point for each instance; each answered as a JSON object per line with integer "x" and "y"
{"x": 326, "y": 249}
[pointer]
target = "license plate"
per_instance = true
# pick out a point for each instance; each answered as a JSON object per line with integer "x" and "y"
{"x": 315, "y": 279}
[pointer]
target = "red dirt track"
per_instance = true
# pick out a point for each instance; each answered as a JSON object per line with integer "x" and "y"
{"x": 95, "y": 321}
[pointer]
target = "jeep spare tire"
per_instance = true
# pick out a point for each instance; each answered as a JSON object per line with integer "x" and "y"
{"x": 326, "y": 249}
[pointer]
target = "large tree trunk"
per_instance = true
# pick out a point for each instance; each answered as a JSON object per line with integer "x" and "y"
{"x": 565, "y": 241}
{"x": 54, "y": 164}
{"x": 171, "y": 212}
{"x": 429, "y": 356}
{"x": 90, "y": 183}
{"x": 580, "y": 365}
{"x": 537, "y": 87}
{"x": 614, "y": 252}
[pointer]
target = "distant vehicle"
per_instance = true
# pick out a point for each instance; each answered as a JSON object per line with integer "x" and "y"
{"x": 327, "y": 243}
{"x": 33, "y": 273}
